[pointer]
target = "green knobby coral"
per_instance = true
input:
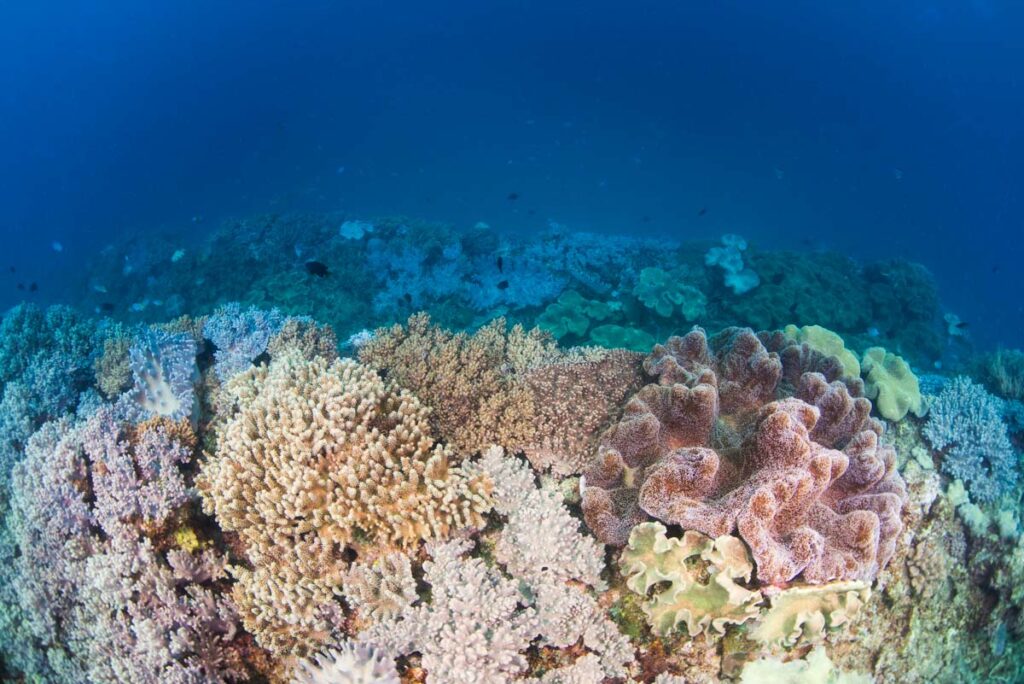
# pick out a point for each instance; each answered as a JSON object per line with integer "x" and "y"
{"x": 664, "y": 292}
{"x": 572, "y": 313}
{"x": 890, "y": 384}
{"x": 701, "y": 573}
{"x": 808, "y": 611}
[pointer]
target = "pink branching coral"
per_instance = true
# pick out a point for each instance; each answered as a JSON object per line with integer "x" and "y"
{"x": 716, "y": 446}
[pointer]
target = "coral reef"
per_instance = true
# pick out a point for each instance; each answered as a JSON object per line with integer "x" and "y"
{"x": 314, "y": 454}
{"x": 348, "y": 664}
{"x": 240, "y": 336}
{"x": 1004, "y": 373}
{"x": 665, "y": 292}
{"x": 805, "y": 480}
{"x": 165, "y": 376}
{"x": 729, "y": 257}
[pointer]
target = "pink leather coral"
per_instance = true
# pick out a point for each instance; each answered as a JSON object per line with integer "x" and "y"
{"x": 717, "y": 446}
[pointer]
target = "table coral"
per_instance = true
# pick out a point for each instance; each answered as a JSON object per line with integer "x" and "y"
{"x": 805, "y": 480}
{"x": 318, "y": 456}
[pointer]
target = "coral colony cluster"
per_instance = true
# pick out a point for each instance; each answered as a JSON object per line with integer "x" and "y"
{"x": 348, "y": 451}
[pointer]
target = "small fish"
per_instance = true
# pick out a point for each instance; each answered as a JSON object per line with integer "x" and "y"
{"x": 408, "y": 298}
{"x": 21, "y": 286}
{"x": 703, "y": 210}
{"x": 33, "y": 287}
{"x": 105, "y": 307}
{"x": 316, "y": 268}
{"x": 995, "y": 269}
{"x": 503, "y": 285}
{"x": 513, "y": 196}
{"x": 961, "y": 325}
{"x": 56, "y": 246}
{"x": 11, "y": 269}
{"x": 501, "y": 265}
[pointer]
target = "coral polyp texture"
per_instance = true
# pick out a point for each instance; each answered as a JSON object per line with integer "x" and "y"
{"x": 805, "y": 480}
{"x": 318, "y": 456}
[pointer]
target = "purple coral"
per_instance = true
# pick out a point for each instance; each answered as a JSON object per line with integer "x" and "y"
{"x": 717, "y": 447}
{"x": 965, "y": 423}
{"x": 240, "y": 336}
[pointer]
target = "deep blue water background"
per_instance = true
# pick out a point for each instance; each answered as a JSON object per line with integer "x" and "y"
{"x": 881, "y": 129}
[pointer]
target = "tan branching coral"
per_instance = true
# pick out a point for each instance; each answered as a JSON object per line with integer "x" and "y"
{"x": 113, "y": 367}
{"x": 472, "y": 382}
{"x": 716, "y": 447}
{"x": 575, "y": 399}
{"x": 305, "y": 336}
{"x": 318, "y": 456}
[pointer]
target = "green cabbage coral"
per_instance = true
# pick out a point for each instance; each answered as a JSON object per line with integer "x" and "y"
{"x": 701, "y": 573}
{"x": 828, "y": 343}
{"x": 572, "y": 314}
{"x": 808, "y": 611}
{"x": 664, "y": 292}
{"x": 890, "y": 384}
{"x": 619, "y": 337}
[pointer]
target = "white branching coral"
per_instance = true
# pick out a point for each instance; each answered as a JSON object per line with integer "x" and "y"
{"x": 475, "y": 627}
{"x": 381, "y": 589}
{"x": 541, "y": 541}
{"x": 349, "y": 664}
{"x": 318, "y": 456}
{"x": 479, "y": 620}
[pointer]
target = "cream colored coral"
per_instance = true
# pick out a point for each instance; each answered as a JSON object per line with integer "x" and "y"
{"x": 807, "y": 611}
{"x": 318, "y": 456}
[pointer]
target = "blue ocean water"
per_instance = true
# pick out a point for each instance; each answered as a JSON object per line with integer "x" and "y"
{"x": 871, "y": 129}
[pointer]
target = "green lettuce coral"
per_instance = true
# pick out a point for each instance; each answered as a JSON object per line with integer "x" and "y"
{"x": 891, "y": 385}
{"x": 701, "y": 573}
{"x": 828, "y": 343}
{"x": 572, "y": 314}
{"x": 664, "y": 293}
{"x": 806, "y": 612}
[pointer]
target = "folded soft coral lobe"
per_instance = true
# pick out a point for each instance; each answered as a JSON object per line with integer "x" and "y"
{"x": 718, "y": 445}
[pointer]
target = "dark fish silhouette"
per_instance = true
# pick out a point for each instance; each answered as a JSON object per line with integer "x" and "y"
{"x": 500, "y": 265}
{"x": 408, "y": 298}
{"x": 962, "y": 325}
{"x": 11, "y": 269}
{"x": 106, "y": 307}
{"x": 316, "y": 268}
{"x": 33, "y": 287}
{"x": 513, "y": 196}
{"x": 503, "y": 285}
{"x": 21, "y": 286}
{"x": 703, "y": 210}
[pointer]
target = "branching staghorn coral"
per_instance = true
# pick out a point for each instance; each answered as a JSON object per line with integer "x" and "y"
{"x": 318, "y": 456}
{"x": 478, "y": 621}
{"x": 805, "y": 480}
{"x": 103, "y": 603}
{"x": 471, "y": 382}
{"x": 965, "y": 423}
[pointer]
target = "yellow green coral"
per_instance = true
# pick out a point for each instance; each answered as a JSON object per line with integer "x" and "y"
{"x": 827, "y": 342}
{"x": 890, "y": 384}
{"x": 619, "y": 337}
{"x": 701, "y": 573}
{"x": 817, "y": 668}
{"x": 808, "y": 611}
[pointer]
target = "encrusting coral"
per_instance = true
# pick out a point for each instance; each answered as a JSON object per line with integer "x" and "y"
{"x": 805, "y": 480}
{"x": 316, "y": 457}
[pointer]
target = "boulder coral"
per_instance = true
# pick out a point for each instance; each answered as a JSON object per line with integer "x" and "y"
{"x": 717, "y": 446}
